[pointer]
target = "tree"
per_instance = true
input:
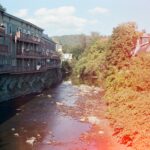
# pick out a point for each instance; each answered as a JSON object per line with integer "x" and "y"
{"x": 91, "y": 61}
{"x": 2, "y": 8}
{"x": 121, "y": 44}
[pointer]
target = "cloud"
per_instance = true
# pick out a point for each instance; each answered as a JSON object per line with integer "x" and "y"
{"x": 59, "y": 20}
{"x": 98, "y": 10}
{"x": 22, "y": 13}
{"x": 93, "y": 22}
{"x": 61, "y": 11}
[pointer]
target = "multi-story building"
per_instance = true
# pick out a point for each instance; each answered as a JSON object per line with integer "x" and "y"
{"x": 24, "y": 47}
{"x": 29, "y": 61}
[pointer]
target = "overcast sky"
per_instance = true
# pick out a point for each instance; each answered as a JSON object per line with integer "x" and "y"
{"x": 62, "y": 17}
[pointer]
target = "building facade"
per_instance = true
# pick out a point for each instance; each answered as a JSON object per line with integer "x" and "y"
{"x": 142, "y": 45}
{"x": 29, "y": 62}
{"x": 24, "y": 47}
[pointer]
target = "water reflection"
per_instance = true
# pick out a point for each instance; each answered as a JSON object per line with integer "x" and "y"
{"x": 40, "y": 118}
{"x": 36, "y": 123}
{"x": 9, "y": 109}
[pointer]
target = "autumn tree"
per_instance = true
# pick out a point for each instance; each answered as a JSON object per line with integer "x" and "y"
{"x": 121, "y": 44}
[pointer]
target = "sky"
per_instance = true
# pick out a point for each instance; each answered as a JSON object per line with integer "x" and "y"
{"x": 65, "y": 17}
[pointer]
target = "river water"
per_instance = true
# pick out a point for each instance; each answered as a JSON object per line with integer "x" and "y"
{"x": 36, "y": 123}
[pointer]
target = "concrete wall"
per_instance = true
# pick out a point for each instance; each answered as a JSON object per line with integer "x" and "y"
{"x": 13, "y": 86}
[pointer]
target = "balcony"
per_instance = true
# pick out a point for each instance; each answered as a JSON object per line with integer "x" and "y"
{"x": 27, "y": 70}
{"x": 27, "y": 38}
{"x": 54, "y": 66}
{"x": 36, "y": 55}
{"x": 30, "y": 54}
{"x": 3, "y": 49}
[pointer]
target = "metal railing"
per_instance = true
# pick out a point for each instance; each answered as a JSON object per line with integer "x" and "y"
{"x": 30, "y": 54}
{"x": 27, "y": 37}
{"x": 25, "y": 69}
{"x": 34, "y": 54}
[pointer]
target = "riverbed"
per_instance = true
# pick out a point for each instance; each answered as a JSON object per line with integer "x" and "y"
{"x": 66, "y": 117}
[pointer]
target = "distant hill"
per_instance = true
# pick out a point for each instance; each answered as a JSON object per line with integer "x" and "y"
{"x": 76, "y": 44}
{"x": 71, "y": 40}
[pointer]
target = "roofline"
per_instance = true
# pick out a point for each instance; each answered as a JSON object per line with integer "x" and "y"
{"x": 24, "y": 21}
{"x": 49, "y": 39}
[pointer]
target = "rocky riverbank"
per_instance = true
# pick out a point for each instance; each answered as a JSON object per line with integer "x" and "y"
{"x": 91, "y": 108}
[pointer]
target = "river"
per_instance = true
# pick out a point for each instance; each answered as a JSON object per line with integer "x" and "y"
{"x": 44, "y": 122}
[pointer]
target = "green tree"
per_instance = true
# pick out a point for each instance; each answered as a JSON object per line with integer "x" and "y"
{"x": 92, "y": 60}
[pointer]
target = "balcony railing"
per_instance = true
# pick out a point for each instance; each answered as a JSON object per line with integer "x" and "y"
{"x": 24, "y": 69}
{"x": 33, "y": 54}
{"x": 53, "y": 66}
{"x": 27, "y": 38}
{"x": 29, "y": 54}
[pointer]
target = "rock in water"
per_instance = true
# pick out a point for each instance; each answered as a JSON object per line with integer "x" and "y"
{"x": 49, "y": 96}
{"x": 16, "y": 134}
{"x": 83, "y": 119}
{"x": 13, "y": 129}
{"x": 101, "y": 132}
{"x": 94, "y": 120}
{"x": 31, "y": 140}
{"x": 59, "y": 104}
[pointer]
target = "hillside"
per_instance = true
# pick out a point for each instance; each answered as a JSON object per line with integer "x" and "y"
{"x": 76, "y": 44}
